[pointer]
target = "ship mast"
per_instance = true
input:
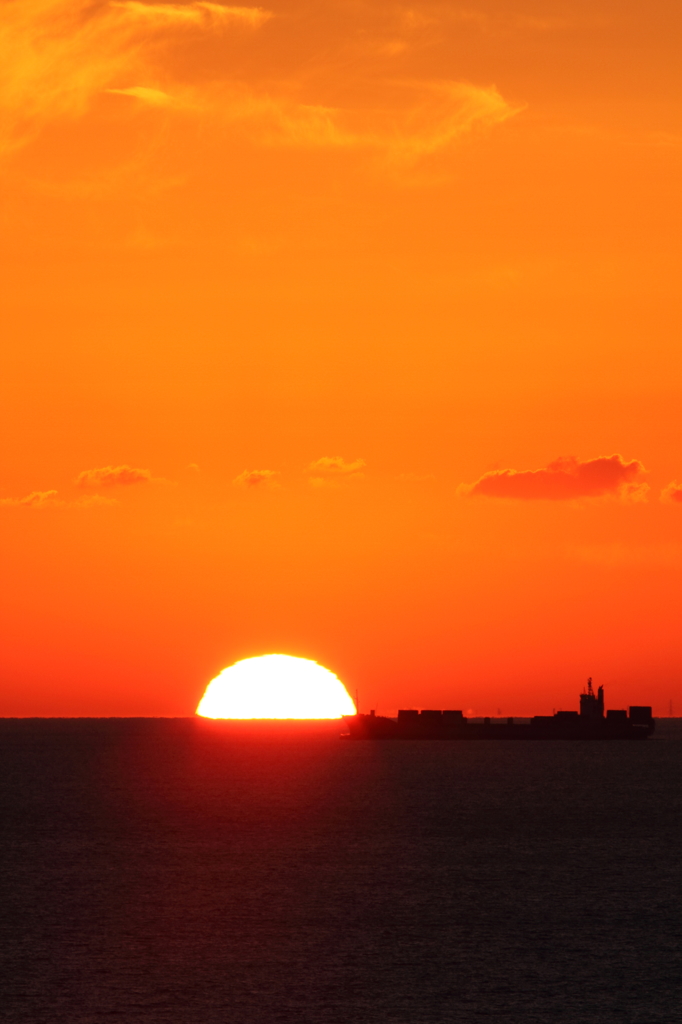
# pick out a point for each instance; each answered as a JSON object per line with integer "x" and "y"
{"x": 591, "y": 703}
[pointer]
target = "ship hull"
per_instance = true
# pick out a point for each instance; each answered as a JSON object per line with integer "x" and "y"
{"x": 371, "y": 727}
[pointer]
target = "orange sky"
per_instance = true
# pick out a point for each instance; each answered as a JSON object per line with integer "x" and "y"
{"x": 311, "y": 271}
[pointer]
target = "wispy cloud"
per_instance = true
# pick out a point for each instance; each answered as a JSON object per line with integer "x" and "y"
{"x": 112, "y": 476}
{"x": 421, "y": 119}
{"x": 51, "y": 499}
{"x": 672, "y": 493}
{"x": 58, "y": 56}
{"x": 36, "y": 499}
{"x": 336, "y": 465}
{"x": 256, "y": 478}
{"x": 565, "y": 479}
{"x": 437, "y": 114}
{"x": 334, "y": 469}
{"x": 54, "y": 55}
{"x": 199, "y": 13}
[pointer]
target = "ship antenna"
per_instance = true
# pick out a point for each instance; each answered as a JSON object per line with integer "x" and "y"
{"x": 357, "y": 703}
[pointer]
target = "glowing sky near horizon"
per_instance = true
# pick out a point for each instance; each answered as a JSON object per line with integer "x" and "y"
{"x": 346, "y": 330}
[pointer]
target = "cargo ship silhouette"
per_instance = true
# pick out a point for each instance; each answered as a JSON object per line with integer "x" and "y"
{"x": 590, "y": 723}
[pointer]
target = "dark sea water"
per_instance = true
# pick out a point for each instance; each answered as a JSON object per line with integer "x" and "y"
{"x": 176, "y": 871}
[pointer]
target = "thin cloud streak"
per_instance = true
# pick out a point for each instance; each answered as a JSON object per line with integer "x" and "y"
{"x": 50, "y": 499}
{"x": 153, "y": 97}
{"x": 198, "y": 13}
{"x": 113, "y": 476}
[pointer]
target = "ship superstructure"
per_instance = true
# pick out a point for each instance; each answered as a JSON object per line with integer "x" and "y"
{"x": 590, "y": 723}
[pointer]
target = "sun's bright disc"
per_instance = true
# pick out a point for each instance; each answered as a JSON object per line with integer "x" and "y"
{"x": 276, "y": 686}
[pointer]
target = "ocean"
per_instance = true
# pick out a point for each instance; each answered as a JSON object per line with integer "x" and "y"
{"x": 174, "y": 871}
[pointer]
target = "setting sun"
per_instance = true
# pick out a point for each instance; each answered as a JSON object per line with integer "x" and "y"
{"x": 276, "y": 686}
